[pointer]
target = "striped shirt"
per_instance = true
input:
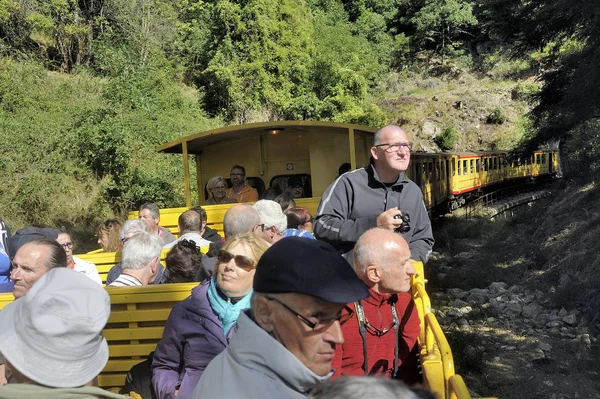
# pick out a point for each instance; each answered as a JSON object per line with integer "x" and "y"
{"x": 125, "y": 280}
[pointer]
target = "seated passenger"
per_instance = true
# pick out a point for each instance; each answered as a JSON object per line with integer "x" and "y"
{"x": 73, "y": 262}
{"x": 271, "y": 193}
{"x": 209, "y": 234}
{"x": 108, "y": 235}
{"x": 363, "y": 387}
{"x": 295, "y": 186}
{"x": 151, "y": 215}
{"x": 240, "y": 190}
{"x": 284, "y": 344}
{"x": 4, "y": 259}
{"x": 190, "y": 228}
{"x": 386, "y": 325}
{"x": 272, "y": 219}
{"x": 299, "y": 218}
{"x": 52, "y": 342}
{"x": 217, "y": 192}
{"x": 140, "y": 261}
{"x": 183, "y": 262}
{"x": 286, "y": 201}
{"x": 129, "y": 229}
{"x": 200, "y": 327}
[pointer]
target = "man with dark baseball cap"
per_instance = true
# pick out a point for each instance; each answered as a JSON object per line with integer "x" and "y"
{"x": 285, "y": 343}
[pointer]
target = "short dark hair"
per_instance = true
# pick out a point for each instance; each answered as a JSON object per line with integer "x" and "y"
{"x": 190, "y": 220}
{"x": 285, "y": 200}
{"x": 295, "y": 181}
{"x": 57, "y": 256}
{"x": 183, "y": 262}
{"x": 240, "y": 167}
{"x": 297, "y": 217}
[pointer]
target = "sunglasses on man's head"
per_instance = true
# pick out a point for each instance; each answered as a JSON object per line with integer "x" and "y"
{"x": 241, "y": 261}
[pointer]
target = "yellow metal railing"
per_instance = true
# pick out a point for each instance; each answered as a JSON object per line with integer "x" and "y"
{"x": 439, "y": 373}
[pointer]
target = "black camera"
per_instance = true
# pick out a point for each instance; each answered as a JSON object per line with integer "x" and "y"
{"x": 405, "y": 226}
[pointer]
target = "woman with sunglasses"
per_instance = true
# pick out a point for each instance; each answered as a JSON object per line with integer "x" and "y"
{"x": 200, "y": 326}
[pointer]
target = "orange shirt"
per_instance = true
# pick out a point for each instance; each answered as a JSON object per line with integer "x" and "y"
{"x": 248, "y": 194}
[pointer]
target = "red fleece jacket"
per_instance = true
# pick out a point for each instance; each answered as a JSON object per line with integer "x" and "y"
{"x": 349, "y": 359}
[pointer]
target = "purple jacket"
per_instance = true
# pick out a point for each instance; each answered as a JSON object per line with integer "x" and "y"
{"x": 192, "y": 337}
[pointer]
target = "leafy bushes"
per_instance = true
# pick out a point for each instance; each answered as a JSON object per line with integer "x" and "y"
{"x": 447, "y": 139}
{"x": 496, "y": 117}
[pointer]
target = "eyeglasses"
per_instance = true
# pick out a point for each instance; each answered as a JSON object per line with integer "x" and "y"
{"x": 262, "y": 227}
{"x": 66, "y": 245}
{"x": 241, "y": 261}
{"x": 394, "y": 147}
{"x": 320, "y": 323}
{"x": 236, "y": 174}
{"x": 219, "y": 188}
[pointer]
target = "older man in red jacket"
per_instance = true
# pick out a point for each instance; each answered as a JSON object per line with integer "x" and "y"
{"x": 386, "y": 325}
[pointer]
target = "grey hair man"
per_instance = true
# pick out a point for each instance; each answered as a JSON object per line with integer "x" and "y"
{"x": 378, "y": 195}
{"x": 151, "y": 215}
{"x": 140, "y": 261}
{"x": 362, "y": 387}
{"x": 52, "y": 339}
{"x": 274, "y": 221}
{"x": 33, "y": 260}
{"x": 284, "y": 344}
{"x": 191, "y": 228}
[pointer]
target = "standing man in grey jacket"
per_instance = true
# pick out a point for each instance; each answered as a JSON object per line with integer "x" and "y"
{"x": 284, "y": 344}
{"x": 378, "y": 195}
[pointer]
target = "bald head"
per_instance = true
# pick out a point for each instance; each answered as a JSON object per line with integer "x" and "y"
{"x": 190, "y": 222}
{"x": 382, "y": 261}
{"x": 382, "y": 133}
{"x": 240, "y": 219}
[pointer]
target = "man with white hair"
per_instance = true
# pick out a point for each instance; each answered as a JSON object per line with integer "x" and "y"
{"x": 140, "y": 261}
{"x": 52, "y": 338}
{"x": 385, "y": 330}
{"x": 273, "y": 221}
{"x": 130, "y": 228}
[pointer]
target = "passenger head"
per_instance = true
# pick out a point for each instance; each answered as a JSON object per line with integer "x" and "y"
{"x": 151, "y": 215}
{"x": 301, "y": 289}
{"x": 391, "y": 150}
{"x": 285, "y": 201}
{"x": 64, "y": 239}
{"x": 108, "y": 235}
{"x": 183, "y": 262}
{"x": 271, "y": 193}
{"x": 217, "y": 188}
{"x": 32, "y": 261}
{"x": 236, "y": 263}
{"x": 190, "y": 222}
{"x": 382, "y": 261}
{"x": 141, "y": 253}
{"x": 299, "y": 218}
{"x": 345, "y": 167}
{"x": 202, "y": 214}
{"x": 362, "y": 387}
{"x": 295, "y": 186}
{"x": 275, "y": 222}
{"x": 240, "y": 219}
{"x": 237, "y": 175}
{"x": 132, "y": 227}
{"x": 53, "y": 337}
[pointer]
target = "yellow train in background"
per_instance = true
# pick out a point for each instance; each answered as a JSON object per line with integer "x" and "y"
{"x": 272, "y": 152}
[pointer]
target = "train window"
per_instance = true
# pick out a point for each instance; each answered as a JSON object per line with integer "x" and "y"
{"x": 454, "y": 167}
{"x": 442, "y": 171}
{"x": 495, "y": 163}
{"x": 478, "y": 165}
{"x": 282, "y": 182}
{"x": 459, "y": 167}
{"x": 418, "y": 174}
{"x": 437, "y": 171}
{"x": 472, "y": 166}
{"x": 537, "y": 159}
{"x": 543, "y": 159}
{"x": 465, "y": 171}
{"x": 447, "y": 170}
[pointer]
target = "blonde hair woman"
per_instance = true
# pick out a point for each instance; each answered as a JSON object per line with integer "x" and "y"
{"x": 199, "y": 327}
{"x": 217, "y": 191}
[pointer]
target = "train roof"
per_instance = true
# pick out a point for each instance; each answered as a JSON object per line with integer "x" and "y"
{"x": 199, "y": 141}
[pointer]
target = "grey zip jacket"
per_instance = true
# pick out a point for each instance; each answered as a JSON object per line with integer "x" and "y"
{"x": 351, "y": 204}
{"x": 255, "y": 365}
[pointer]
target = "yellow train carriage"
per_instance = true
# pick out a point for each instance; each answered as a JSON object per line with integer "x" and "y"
{"x": 431, "y": 172}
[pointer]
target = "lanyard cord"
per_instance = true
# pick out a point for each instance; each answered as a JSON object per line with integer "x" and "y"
{"x": 362, "y": 329}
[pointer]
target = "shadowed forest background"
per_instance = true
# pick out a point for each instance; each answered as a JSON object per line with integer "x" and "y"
{"x": 89, "y": 88}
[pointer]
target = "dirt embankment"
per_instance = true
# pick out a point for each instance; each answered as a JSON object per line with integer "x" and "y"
{"x": 519, "y": 298}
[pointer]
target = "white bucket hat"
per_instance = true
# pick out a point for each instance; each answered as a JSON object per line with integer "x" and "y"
{"x": 53, "y": 335}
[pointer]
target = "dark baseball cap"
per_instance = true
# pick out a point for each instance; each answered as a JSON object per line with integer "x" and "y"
{"x": 309, "y": 267}
{"x": 30, "y": 233}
